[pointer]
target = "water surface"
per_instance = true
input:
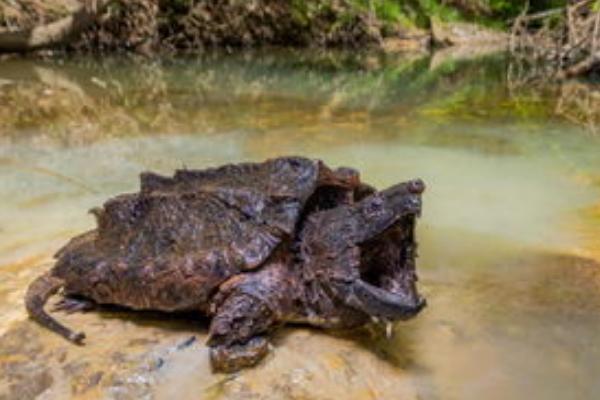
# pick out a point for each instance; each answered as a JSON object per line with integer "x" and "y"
{"x": 508, "y": 238}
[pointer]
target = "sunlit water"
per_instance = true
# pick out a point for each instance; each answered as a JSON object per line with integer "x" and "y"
{"x": 508, "y": 236}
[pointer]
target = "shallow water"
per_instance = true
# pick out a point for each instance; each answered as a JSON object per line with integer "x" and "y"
{"x": 508, "y": 236}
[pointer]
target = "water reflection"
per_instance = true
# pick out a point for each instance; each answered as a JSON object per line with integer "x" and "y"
{"x": 508, "y": 233}
{"x": 251, "y": 91}
{"x": 577, "y": 101}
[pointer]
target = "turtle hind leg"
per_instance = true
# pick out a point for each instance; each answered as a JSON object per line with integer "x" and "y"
{"x": 36, "y": 297}
{"x": 72, "y": 304}
{"x": 236, "y": 336}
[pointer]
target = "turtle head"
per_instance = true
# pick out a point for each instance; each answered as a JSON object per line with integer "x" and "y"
{"x": 376, "y": 213}
{"x": 375, "y": 244}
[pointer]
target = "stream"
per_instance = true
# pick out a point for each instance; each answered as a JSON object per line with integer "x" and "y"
{"x": 509, "y": 239}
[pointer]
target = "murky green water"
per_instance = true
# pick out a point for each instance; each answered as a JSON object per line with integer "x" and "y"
{"x": 509, "y": 234}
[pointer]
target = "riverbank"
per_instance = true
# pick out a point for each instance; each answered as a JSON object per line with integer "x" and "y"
{"x": 150, "y": 26}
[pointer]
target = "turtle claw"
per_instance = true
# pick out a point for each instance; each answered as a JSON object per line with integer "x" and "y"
{"x": 232, "y": 358}
{"x": 71, "y": 305}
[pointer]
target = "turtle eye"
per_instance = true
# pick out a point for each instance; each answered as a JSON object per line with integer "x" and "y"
{"x": 373, "y": 207}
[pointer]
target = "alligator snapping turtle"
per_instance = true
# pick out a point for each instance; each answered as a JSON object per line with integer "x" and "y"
{"x": 253, "y": 246}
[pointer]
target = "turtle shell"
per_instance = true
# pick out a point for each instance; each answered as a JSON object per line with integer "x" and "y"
{"x": 170, "y": 245}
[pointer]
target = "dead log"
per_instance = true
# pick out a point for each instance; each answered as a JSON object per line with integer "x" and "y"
{"x": 53, "y": 34}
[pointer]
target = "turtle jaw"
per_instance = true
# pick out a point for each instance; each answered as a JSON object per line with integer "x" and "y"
{"x": 385, "y": 305}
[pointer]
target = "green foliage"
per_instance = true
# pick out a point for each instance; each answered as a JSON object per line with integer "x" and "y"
{"x": 506, "y": 7}
{"x": 510, "y": 8}
{"x": 437, "y": 8}
{"x": 418, "y": 12}
{"x": 388, "y": 10}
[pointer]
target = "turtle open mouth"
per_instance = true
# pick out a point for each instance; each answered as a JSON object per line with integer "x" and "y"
{"x": 384, "y": 285}
{"x": 387, "y": 288}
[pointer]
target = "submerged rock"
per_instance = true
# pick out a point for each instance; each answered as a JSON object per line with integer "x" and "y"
{"x": 149, "y": 362}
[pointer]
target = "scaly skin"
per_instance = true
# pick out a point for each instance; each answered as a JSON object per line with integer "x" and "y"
{"x": 253, "y": 246}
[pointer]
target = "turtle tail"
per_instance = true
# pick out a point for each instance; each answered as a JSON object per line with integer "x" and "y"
{"x": 36, "y": 297}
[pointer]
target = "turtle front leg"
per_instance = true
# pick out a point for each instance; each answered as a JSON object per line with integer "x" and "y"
{"x": 237, "y": 333}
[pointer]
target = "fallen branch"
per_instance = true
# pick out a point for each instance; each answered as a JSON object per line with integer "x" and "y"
{"x": 583, "y": 67}
{"x": 55, "y": 33}
{"x": 566, "y": 39}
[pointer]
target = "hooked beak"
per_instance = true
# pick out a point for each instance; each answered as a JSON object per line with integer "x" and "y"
{"x": 377, "y": 302}
{"x": 406, "y": 197}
